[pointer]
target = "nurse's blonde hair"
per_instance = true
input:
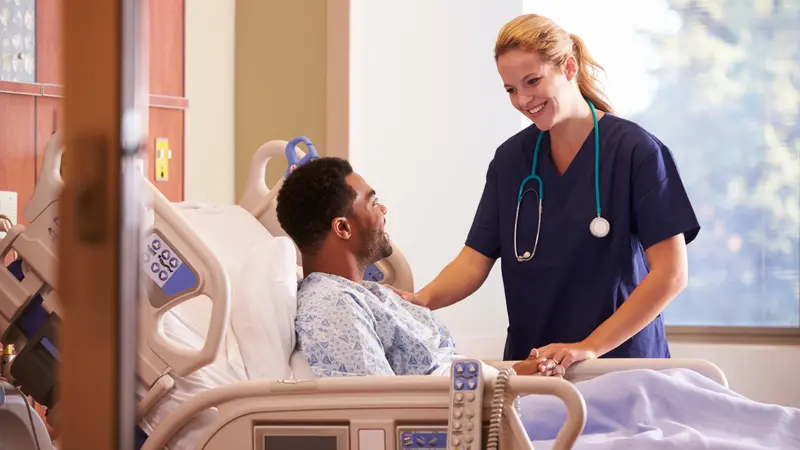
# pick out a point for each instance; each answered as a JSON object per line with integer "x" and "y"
{"x": 531, "y": 32}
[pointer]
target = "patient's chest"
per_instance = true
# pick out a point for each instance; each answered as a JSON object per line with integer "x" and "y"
{"x": 414, "y": 341}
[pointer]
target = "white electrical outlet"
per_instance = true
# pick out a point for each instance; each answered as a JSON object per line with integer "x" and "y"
{"x": 8, "y": 205}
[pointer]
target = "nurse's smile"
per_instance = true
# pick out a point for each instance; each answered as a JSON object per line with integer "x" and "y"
{"x": 535, "y": 112}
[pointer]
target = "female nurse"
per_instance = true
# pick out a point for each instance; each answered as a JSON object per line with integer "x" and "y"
{"x": 585, "y": 210}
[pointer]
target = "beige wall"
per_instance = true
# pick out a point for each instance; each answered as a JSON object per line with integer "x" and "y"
{"x": 280, "y": 78}
{"x": 209, "y": 133}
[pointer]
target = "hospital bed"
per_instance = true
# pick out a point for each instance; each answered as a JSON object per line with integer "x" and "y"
{"x": 223, "y": 373}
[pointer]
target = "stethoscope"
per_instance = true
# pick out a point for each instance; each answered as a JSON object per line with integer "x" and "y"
{"x": 599, "y": 227}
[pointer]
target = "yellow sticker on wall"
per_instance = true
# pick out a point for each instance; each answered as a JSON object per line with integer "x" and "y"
{"x": 163, "y": 155}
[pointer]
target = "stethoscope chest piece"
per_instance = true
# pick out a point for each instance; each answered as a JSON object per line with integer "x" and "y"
{"x": 599, "y": 227}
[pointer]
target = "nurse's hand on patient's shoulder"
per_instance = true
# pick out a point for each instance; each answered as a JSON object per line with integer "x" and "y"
{"x": 564, "y": 355}
{"x": 409, "y": 296}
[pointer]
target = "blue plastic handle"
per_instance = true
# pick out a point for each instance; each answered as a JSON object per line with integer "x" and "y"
{"x": 291, "y": 154}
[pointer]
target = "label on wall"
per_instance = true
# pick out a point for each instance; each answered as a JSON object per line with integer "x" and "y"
{"x": 163, "y": 155}
{"x": 8, "y": 205}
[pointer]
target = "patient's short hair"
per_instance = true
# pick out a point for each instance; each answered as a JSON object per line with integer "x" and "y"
{"x": 311, "y": 197}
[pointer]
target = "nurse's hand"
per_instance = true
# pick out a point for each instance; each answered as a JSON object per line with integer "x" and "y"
{"x": 410, "y": 297}
{"x": 565, "y": 355}
{"x": 533, "y": 366}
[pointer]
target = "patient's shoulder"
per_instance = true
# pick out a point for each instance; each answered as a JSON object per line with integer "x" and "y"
{"x": 323, "y": 291}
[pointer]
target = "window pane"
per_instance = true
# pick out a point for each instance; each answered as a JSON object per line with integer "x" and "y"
{"x": 717, "y": 81}
{"x": 18, "y": 41}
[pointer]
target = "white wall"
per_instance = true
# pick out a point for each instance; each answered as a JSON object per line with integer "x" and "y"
{"x": 209, "y": 138}
{"x": 427, "y": 113}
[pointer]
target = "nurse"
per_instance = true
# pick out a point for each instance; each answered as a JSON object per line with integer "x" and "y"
{"x": 585, "y": 210}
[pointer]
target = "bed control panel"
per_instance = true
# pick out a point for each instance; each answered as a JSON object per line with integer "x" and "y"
{"x": 167, "y": 270}
{"x": 466, "y": 405}
{"x": 433, "y": 440}
{"x": 430, "y": 437}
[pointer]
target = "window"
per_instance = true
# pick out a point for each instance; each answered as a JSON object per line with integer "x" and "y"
{"x": 18, "y": 41}
{"x": 716, "y": 81}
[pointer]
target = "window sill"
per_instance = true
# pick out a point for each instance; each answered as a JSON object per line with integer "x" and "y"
{"x": 734, "y": 335}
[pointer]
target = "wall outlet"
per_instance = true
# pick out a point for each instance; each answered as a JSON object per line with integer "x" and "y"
{"x": 163, "y": 155}
{"x": 8, "y": 205}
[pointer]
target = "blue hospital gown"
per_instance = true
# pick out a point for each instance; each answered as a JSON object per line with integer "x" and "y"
{"x": 350, "y": 329}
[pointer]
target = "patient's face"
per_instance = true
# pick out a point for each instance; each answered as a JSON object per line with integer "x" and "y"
{"x": 370, "y": 239}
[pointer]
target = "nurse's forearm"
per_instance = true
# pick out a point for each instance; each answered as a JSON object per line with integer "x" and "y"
{"x": 645, "y": 303}
{"x": 458, "y": 280}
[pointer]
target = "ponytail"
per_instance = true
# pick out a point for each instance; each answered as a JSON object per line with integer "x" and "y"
{"x": 588, "y": 82}
{"x": 532, "y": 32}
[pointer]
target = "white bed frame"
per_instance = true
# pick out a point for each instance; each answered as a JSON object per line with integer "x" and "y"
{"x": 382, "y": 403}
{"x": 365, "y": 404}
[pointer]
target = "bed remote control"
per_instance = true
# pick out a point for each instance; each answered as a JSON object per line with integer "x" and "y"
{"x": 466, "y": 405}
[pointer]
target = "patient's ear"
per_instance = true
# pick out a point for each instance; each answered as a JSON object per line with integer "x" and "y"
{"x": 342, "y": 228}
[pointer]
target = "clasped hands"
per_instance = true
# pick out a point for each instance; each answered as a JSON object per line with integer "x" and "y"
{"x": 553, "y": 360}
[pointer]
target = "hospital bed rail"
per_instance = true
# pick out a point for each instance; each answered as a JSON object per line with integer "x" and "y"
{"x": 586, "y": 370}
{"x": 177, "y": 267}
{"x": 362, "y": 401}
{"x": 388, "y": 403}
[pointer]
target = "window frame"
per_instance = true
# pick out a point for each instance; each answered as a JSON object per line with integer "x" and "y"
{"x": 734, "y": 335}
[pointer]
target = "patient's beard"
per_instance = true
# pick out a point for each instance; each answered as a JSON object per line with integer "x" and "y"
{"x": 379, "y": 247}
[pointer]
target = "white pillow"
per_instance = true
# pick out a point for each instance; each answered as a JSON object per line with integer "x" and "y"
{"x": 263, "y": 315}
{"x": 263, "y": 277}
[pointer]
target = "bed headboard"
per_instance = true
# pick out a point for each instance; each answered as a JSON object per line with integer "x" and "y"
{"x": 261, "y": 201}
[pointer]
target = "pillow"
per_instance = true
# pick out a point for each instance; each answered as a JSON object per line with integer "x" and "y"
{"x": 263, "y": 276}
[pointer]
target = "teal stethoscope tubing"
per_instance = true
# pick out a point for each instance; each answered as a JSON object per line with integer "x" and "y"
{"x": 599, "y": 226}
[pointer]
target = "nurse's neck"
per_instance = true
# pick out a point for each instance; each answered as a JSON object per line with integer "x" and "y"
{"x": 333, "y": 260}
{"x": 568, "y": 135}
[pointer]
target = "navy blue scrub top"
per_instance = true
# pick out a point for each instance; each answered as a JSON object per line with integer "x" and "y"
{"x": 576, "y": 281}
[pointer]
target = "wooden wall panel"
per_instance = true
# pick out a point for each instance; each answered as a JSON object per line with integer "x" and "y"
{"x": 17, "y": 155}
{"x": 167, "y": 47}
{"x": 48, "y": 41}
{"x": 49, "y": 117}
{"x": 31, "y": 112}
{"x": 167, "y": 123}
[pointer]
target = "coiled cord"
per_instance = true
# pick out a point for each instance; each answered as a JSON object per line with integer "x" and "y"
{"x": 498, "y": 406}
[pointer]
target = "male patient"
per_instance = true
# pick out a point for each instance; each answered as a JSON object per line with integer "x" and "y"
{"x": 346, "y": 326}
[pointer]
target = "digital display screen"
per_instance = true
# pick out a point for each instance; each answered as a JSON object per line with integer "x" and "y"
{"x": 301, "y": 442}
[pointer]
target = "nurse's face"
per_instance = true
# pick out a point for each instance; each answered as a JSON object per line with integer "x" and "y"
{"x": 537, "y": 88}
{"x": 369, "y": 238}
